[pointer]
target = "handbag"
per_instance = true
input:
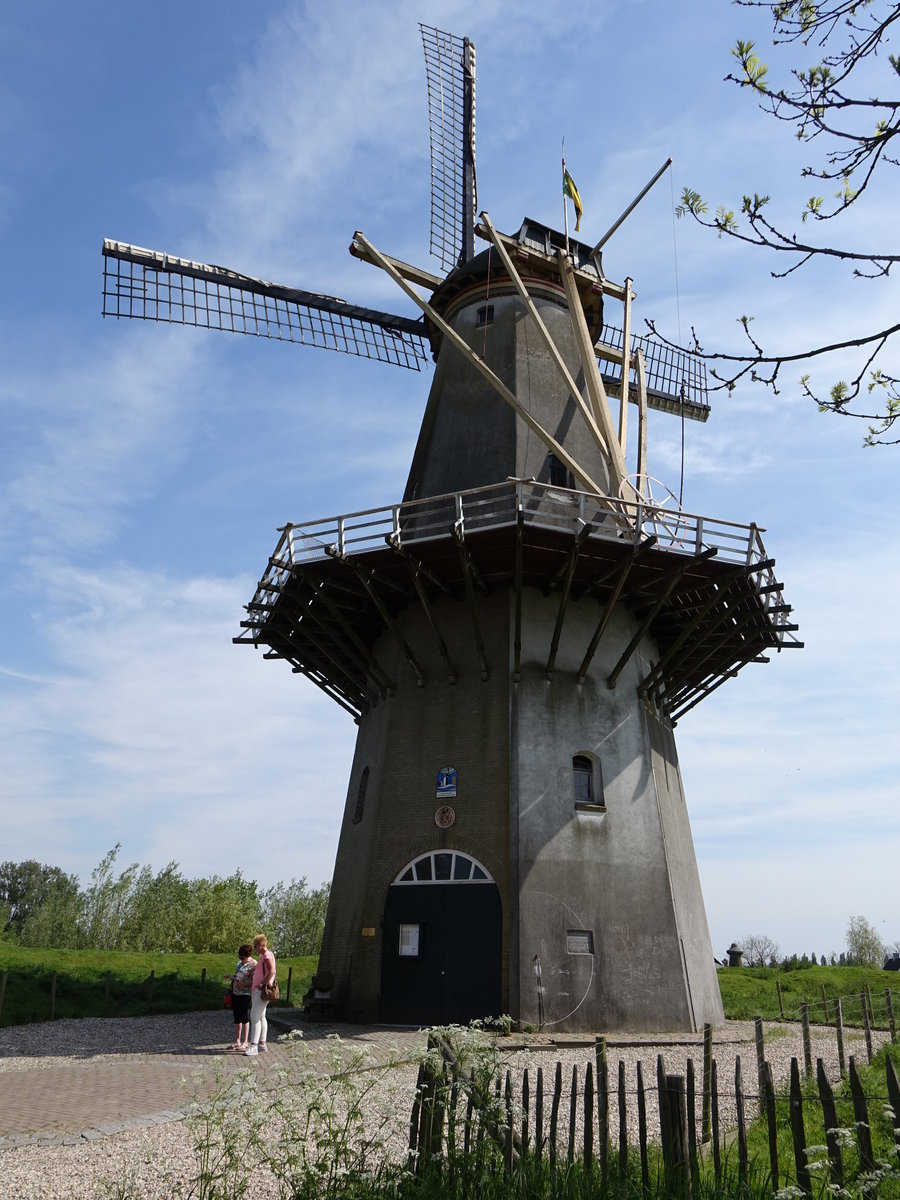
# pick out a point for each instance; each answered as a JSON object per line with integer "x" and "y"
{"x": 226, "y": 999}
{"x": 270, "y": 991}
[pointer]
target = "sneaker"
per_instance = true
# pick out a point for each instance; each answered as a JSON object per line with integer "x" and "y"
{"x": 263, "y": 1048}
{"x": 250, "y": 1051}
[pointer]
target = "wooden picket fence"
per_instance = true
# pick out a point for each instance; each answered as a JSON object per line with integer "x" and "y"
{"x": 535, "y": 1115}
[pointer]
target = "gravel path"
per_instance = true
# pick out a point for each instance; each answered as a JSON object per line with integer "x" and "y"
{"x": 148, "y": 1153}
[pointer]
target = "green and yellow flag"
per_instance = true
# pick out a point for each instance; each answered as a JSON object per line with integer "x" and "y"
{"x": 570, "y": 190}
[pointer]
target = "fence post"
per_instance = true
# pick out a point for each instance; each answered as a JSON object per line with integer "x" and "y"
{"x": 52, "y": 995}
{"x": 692, "y": 1119}
{"x": 707, "y": 1081}
{"x": 107, "y": 980}
{"x": 890, "y": 1011}
{"x": 3, "y": 978}
{"x": 573, "y": 1113}
{"x": 825, "y": 1004}
{"x": 780, "y": 1001}
{"x": 870, "y": 1008}
{"x": 413, "y": 1153}
{"x": 839, "y": 1030}
{"x": 623, "y": 1124}
{"x": 798, "y": 1133}
{"x": 150, "y": 979}
{"x": 893, "y": 1087}
{"x": 642, "y": 1130}
{"x": 741, "y": 1123}
{"x": 829, "y": 1117}
{"x": 760, "y": 1049}
{"x": 509, "y": 1148}
{"x": 589, "y": 1117}
{"x": 867, "y": 1027}
{"x": 202, "y": 984}
{"x": 526, "y": 1099}
{"x": 807, "y": 1044}
{"x": 290, "y": 973}
{"x": 673, "y": 1128}
{"x": 539, "y": 1114}
{"x": 768, "y": 1096}
{"x": 714, "y": 1107}
{"x": 861, "y": 1117}
{"x": 602, "y": 1104}
{"x": 554, "y": 1114}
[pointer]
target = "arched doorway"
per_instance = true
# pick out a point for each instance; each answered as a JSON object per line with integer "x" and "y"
{"x": 440, "y": 957}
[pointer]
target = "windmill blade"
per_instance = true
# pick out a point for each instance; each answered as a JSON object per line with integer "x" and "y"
{"x": 450, "y": 72}
{"x": 153, "y": 286}
{"x": 676, "y": 380}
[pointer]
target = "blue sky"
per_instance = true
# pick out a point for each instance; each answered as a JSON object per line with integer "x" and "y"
{"x": 145, "y": 468}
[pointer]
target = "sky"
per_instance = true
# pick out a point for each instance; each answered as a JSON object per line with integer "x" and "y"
{"x": 145, "y": 468}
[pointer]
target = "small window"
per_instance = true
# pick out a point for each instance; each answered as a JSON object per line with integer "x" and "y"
{"x": 485, "y": 315}
{"x": 423, "y": 868}
{"x": 361, "y": 796}
{"x": 586, "y": 783}
{"x": 462, "y": 867}
{"x": 583, "y": 778}
{"x": 558, "y": 474}
{"x": 407, "y": 876}
{"x": 442, "y": 864}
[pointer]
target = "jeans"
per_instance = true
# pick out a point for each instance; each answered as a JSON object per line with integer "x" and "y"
{"x": 259, "y": 1026}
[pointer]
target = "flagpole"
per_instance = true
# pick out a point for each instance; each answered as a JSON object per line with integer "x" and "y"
{"x": 565, "y": 206}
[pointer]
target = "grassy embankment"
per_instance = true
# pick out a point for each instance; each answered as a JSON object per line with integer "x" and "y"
{"x": 81, "y": 985}
{"x": 81, "y": 982}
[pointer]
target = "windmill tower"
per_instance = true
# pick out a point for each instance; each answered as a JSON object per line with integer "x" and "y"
{"x": 516, "y": 638}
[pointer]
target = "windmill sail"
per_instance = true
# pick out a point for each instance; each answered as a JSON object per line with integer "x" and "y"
{"x": 153, "y": 286}
{"x": 450, "y": 72}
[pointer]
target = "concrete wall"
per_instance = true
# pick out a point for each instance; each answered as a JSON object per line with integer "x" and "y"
{"x": 628, "y": 874}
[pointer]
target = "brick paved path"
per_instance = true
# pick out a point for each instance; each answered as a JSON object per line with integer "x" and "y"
{"x": 86, "y": 1100}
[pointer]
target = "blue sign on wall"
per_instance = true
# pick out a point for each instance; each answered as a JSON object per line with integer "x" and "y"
{"x": 446, "y": 783}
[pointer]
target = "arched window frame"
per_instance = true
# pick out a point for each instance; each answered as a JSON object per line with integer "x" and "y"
{"x": 425, "y": 868}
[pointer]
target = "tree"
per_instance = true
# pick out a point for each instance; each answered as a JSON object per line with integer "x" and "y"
{"x": 295, "y": 917}
{"x": 759, "y": 949}
{"x": 865, "y": 948}
{"x": 847, "y": 105}
{"x": 25, "y": 887}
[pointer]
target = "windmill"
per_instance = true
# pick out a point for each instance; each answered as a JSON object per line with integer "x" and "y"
{"x": 516, "y": 638}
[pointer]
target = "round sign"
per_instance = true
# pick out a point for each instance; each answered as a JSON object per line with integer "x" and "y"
{"x": 444, "y": 817}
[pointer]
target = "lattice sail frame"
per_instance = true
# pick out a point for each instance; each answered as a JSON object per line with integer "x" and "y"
{"x": 154, "y": 286}
{"x": 447, "y": 59}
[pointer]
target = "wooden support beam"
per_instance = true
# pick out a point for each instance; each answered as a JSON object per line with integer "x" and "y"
{"x": 611, "y": 603}
{"x": 363, "y": 574}
{"x": 544, "y": 333}
{"x": 593, "y": 380}
{"x": 314, "y": 600}
{"x": 580, "y": 538}
{"x": 377, "y": 672}
{"x": 720, "y": 587}
{"x": 659, "y": 687}
{"x": 416, "y": 275}
{"x": 469, "y": 573}
{"x": 483, "y": 369}
{"x": 668, "y": 587}
{"x": 415, "y": 569}
{"x": 395, "y": 541}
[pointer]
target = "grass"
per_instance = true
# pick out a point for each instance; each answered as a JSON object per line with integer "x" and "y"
{"x": 81, "y": 982}
{"x": 748, "y": 992}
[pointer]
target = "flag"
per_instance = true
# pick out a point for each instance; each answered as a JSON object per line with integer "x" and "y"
{"x": 570, "y": 190}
